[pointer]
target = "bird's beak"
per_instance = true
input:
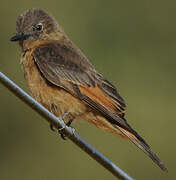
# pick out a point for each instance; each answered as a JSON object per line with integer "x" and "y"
{"x": 20, "y": 36}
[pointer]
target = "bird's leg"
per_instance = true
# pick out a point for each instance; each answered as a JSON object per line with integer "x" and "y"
{"x": 62, "y": 117}
{"x": 67, "y": 124}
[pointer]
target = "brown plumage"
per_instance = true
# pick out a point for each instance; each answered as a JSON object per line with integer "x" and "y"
{"x": 60, "y": 77}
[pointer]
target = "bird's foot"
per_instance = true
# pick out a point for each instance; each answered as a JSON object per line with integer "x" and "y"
{"x": 63, "y": 136}
{"x": 62, "y": 119}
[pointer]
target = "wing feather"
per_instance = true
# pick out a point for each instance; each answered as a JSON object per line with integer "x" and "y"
{"x": 57, "y": 61}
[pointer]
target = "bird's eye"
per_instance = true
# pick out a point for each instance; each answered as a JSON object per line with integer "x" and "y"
{"x": 38, "y": 27}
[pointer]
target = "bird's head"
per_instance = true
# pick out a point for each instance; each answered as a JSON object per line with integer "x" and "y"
{"x": 36, "y": 26}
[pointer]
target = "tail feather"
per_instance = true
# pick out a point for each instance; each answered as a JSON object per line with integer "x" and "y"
{"x": 144, "y": 147}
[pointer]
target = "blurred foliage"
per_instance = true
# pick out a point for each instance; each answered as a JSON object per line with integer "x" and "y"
{"x": 132, "y": 43}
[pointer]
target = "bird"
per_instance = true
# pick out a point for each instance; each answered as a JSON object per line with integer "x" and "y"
{"x": 62, "y": 79}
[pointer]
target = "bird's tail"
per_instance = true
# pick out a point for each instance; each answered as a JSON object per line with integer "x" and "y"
{"x": 140, "y": 143}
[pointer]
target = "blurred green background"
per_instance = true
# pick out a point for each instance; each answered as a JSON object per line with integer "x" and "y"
{"x": 132, "y": 43}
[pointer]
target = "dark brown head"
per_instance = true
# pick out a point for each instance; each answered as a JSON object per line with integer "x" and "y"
{"x": 36, "y": 25}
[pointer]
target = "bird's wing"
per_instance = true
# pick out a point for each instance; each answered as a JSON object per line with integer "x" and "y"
{"x": 60, "y": 63}
{"x": 68, "y": 68}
